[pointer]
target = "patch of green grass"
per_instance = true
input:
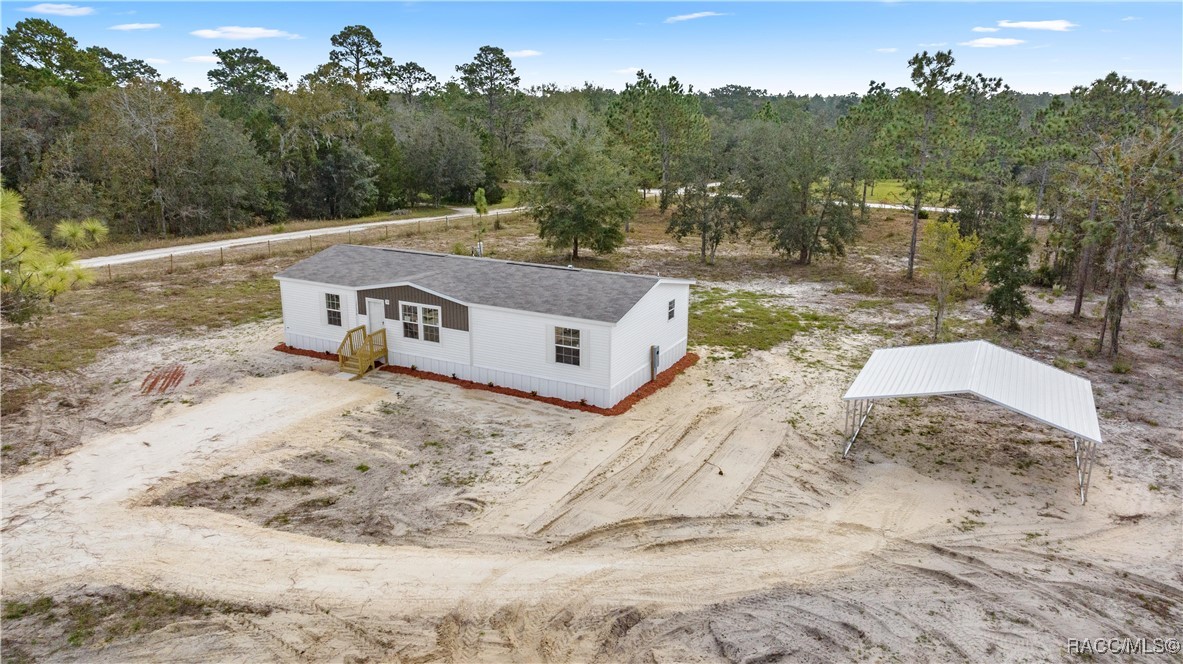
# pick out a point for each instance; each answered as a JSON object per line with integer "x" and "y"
{"x": 89, "y": 321}
{"x": 861, "y": 284}
{"x": 262, "y": 481}
{"x": 742, "y": 321}
{"x": 118, "y": 614}
{"x": 967, "y": 524}
{"x": 1121, "y": 366}
{"x": 18, "y": 610}
{"x": 17, "y": 399}
{"x": 893, "y": 192}
{"x": 362, "y": 467}
{"x": 297, "y": 481}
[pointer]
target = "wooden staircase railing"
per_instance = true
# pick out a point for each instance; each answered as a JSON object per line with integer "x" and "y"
{"x": 359, "y": 351}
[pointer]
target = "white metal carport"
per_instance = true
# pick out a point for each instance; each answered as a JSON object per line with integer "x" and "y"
{"x": 983, "y": 370}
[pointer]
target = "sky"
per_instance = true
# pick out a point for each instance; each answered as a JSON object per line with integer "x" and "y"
{"x": 801, "y": 47}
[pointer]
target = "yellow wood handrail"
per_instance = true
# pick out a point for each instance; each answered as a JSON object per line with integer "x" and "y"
{"x": 365, "y": 348}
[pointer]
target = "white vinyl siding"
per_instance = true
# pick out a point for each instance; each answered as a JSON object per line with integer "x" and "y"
{"x": 649, "y": 324}
{"x": 306, "y": 315}
{"x": 524, "y": 343}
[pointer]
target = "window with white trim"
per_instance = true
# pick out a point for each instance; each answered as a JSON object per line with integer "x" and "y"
{"x": 421, "y": 322}
{"x": 410, "y": 321}
{"x": 431, "y": 323}
{"x": 673, "y": 305}
{"x": 333, "y": 308}
{"x": 567, "y": 346}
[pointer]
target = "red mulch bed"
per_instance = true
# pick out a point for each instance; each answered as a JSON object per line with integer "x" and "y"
{"x": 162, "y": 379}
{"x": 663, "y": 379}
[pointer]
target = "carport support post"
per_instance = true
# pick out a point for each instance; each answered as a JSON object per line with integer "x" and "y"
{"x": 1086, "y": 453}
{"x": 856, "y": 414}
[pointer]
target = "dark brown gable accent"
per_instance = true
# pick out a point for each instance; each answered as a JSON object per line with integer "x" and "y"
{"x": 455, "y": 315}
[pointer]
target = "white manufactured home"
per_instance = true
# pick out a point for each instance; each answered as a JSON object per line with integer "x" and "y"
{"x": 573, "y": 334}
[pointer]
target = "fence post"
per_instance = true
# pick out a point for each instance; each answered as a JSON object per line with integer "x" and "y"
{"x": 445, "y": 222}
{"x": 109, "y": 277}
{"x": 310, "y": 243}
{"x": 170, "y": 263}
{"x": 221, "y": 255}
{"x": 419, "y": 227}
{"x": 348, "y": 236}
{"x": 268, "y": 248}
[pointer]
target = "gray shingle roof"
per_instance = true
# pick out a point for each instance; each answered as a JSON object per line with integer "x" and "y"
{"x": 546, "y": 289}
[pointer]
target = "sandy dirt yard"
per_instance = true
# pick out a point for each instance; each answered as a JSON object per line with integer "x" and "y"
{"x": 253, "y": 507}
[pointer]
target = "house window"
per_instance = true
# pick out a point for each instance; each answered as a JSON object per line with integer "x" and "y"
{"x": 671, "y": 311}
{"x": 333, "y": 308}
{"x": 431, "y": 324}
{"x": 566, "y": 346}
{"x": 421, "y": 322}
{"x": 410, "y": 321}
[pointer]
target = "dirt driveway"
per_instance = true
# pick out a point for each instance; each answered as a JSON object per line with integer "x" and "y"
{"x": 714, "y": 521}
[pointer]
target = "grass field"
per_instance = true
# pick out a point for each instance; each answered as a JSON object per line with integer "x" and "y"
{"x": 892, "y": 192}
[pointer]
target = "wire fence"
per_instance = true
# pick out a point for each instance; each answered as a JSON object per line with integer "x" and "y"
{"x": 185, "y": 259}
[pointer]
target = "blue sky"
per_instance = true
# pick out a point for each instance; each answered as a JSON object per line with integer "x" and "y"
{"x": 804, "y": 47}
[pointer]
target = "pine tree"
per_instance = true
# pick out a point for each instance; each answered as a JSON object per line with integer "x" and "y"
{"x": 1008, "y": 252}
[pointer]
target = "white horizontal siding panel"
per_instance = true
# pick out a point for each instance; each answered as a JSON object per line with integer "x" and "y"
{"x": 453, "y": 345}
{"x": 523, "y": 343}
{"x": 648, "y": 324}
{"x": 305, "y": 317}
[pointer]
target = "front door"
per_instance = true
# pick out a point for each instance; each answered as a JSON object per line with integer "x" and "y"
{"x": 376, "y": 313}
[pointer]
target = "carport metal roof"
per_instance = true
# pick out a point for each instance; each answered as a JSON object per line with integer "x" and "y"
{"x": 983, "y": 370}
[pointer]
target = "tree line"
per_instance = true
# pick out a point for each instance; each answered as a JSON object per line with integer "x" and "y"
{"x": 89, "y": 133}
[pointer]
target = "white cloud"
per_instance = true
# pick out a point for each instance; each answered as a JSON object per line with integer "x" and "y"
{"x": 690, "y": 17}
{"x": 524, "y": 53}
{"x": 135, "y": 26}
{"x": 628, "y": 71}
{"x": 992, "y": 42}
{"x": 981, "y": 29}
{"x": 1059, "y": 25}
{"x": 59, "y": 9}
{"x": 239, "y": 32}
{"x": 1132, "y": 18}
{"x": 213, "y": 59}
{"x": 156, "y": 61}
{"x": 886, "y": 50}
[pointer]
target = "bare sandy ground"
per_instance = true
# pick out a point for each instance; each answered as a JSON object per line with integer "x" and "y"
{"x": 716, "y": 521}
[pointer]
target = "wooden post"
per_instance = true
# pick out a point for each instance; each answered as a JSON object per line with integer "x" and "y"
{"x": 268, "y": 248}
{"x": 109, "y": 277}
{"x": 445, "y": 222}
{"x": 419, "y": 226}
{"x": 170, "y": 263}
{"x": 386, "y": 231}
{"x": 309, "y": 242}
{"x": 349, "y": 237}
{"x": 221, "y": 255}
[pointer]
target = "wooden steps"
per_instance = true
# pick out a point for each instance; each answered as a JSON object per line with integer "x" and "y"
{"x": 359, "y": 352}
